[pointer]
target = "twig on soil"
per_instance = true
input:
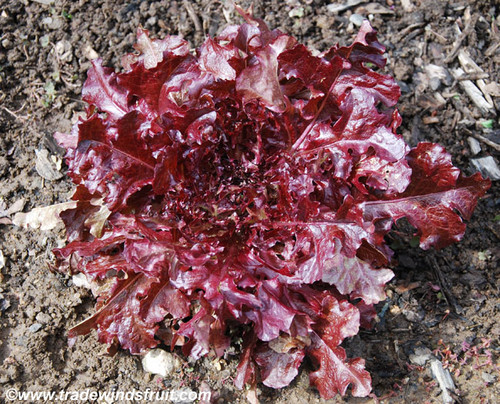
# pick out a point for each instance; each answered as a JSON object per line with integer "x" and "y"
{"x": 458, "y": 42}
{"x": 471, "y": 67}
{"x": 414, "y": 34}
{"x": 492, "y": 49}
{"x": 456, "y": 117}
{"x": 19, "y": 117}
{"x": 438, "y": 36}
{"x": 473, "y": 92}
{"x": 408, "y": 29}
{"x": 227, "y": 15}
{"x": 192, "y": 14}
{"x": 450, "y": 299}
{"x": 495, "y": 40}
{"x": 68, "y": 83}
{"x": 474, "y": 76}
{"x": 487, "y": 141}
{"x": 77, "y": 100}
{"x": 483, "y": 139}
{"x": 429, "y": 120}
{"x": 492, "y": 229}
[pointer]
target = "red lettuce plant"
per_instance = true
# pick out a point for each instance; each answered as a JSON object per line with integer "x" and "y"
{"x": 251, "y": 183}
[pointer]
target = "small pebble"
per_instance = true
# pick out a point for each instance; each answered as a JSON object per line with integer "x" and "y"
{"x": 487, "y": 166}
{"x": 7, "y": 44}
{"x": 152, "y": 21}
{"x": 488, "y": 377}
{"x": 421, "y": 356}
{"x": 357, "y": 19}
{"x": 90, "y": 53}
{"x": 475, "y": 146}
{"x": 434, "y": 83}
{"x": 44, "y": 41}
{"x": 4, "y": 303}
{"x": 35, "y": 327}
{"x": 64, "y": 50}
{"x": 413, "y": 316}
{"x": 160, "y": 362}
{"x": 21, "y": 341}
{"x": 43, "y": 318}
{"x": 53, "y": 23}
{"x": 404, "y": 87}
{"x": 296, "y": 12}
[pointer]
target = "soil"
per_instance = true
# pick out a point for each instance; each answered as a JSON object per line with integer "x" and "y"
{"x": 446, "y": 301}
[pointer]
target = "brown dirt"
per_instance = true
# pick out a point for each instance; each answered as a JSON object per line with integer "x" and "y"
{"x": 438, "y": 299}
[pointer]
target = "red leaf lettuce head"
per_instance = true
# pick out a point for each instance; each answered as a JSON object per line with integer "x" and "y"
{"x": 251, "y": 183}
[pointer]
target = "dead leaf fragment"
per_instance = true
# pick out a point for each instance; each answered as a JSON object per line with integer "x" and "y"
{"x": 440, "y": 72}
{"x": 406, "y": 287}
{"x": 97, "y": 220}
{"x": 64, "y": 51}
{"x": 493, "y": 89}
{"x": 44, "y": 218}
{"x": 17, "y": 206}
{"x": 90, "y": 53}
{"x": 283, "y": 344}
{"x": 81, "y": 281}
{"x": 46, "y": 167}
{"x": 252, "y": 396}
{"x": 338, "y": 8}
{"x": 376, "y": 8}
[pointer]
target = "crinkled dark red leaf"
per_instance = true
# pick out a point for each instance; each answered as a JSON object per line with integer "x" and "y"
{"x": 278, "y": 369}
{"x": 357, "y": 278}
{"x": 335, "y": 374}
{"x": 436, "y": 193}
{"x": 259, "y": 80}
{"x": 117, "y": 319}
{"x": 246, "y": 371}
{"x": 102, "y": 90}
{"x": 216, "y": 59}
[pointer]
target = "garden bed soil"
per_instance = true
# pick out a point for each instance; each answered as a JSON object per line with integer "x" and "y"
{"x": 446, "y": 301}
